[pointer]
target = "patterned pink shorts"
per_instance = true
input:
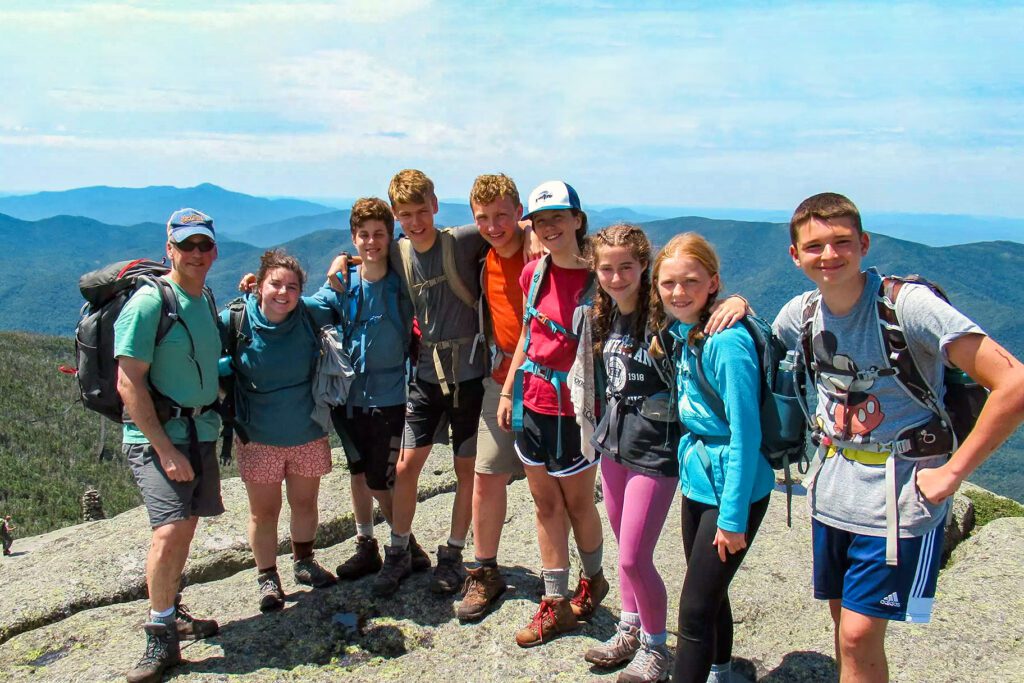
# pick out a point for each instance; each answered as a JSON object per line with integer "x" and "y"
{"x": 259, "y": 463}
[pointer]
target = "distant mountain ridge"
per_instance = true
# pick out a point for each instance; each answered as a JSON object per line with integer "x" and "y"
{"x": 40, "y": 263}
{"x": 233, "y": 212}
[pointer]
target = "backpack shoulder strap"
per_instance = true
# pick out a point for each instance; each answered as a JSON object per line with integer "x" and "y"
{"x": 169, "y": 312}
{"x": 393, "y": 292}
{"x": 715, "y": 401}
{"x": 809, "y": 312}
{"x": 405, "y": 252}
{"x": 237, "y": 319}
{"x": 355, "y": 296}
{"x": 534, "y": 290}
{"x": 895, "y": 346}
{"x": 451, "y": 272}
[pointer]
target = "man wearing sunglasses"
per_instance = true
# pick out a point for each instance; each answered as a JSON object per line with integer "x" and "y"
{"x": 170, "y": 432}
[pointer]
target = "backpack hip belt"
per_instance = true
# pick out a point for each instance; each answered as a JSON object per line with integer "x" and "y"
{"x": 455, "y": 345}
{"x": 556, "y": 378}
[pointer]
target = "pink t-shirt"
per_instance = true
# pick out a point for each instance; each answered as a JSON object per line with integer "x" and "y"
{"x": 557, "y": 298}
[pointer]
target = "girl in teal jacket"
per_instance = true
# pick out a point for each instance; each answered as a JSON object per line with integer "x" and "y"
{"x": 279, "y": 441}
{"x": 725, "y": 480}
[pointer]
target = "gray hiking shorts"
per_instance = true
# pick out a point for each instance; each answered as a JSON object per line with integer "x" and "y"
{"x": 170, "y": 501}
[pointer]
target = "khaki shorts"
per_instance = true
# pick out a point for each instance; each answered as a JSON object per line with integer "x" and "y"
{"x": 495, "y": 448}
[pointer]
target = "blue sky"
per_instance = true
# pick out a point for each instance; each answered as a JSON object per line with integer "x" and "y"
{"x": 904, "y": 107}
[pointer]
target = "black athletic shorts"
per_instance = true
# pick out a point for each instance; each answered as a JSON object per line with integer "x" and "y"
{"x": 428, "y": 406}
{"x": 372, "y": 439}
{"x": 537, "y": 444}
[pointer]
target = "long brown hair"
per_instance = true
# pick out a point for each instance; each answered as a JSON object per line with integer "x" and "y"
{"x": 619, "y": 235}
{"x": 695, "y": 246}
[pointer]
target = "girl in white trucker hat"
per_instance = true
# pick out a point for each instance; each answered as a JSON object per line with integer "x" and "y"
{"x": 535, "y": 403}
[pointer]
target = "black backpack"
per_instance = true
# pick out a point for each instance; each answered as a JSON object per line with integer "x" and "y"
{"x": 783, "y": 421}
{"x": 954, "y": 417}
{"x": 105, "y": 292}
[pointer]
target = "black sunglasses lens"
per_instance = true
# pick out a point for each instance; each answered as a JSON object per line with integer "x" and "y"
{"x": 203, "y": 246}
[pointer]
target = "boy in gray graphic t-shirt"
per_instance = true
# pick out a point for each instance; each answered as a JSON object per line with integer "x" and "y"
{"x": 878, "y": 506}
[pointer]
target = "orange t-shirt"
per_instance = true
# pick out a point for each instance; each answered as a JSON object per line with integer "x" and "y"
{"x": 505, "y": 304}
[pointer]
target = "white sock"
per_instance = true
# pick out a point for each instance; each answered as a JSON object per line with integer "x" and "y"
{"x": 721, "y": 673}
{"x": 163, "y": 616}
{"x": 365, "y": 530}
{"x": 459, "y": 543}
{"x": 630, "y": 618}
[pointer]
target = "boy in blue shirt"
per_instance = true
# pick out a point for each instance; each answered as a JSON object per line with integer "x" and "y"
{"x": 376, "y": 332}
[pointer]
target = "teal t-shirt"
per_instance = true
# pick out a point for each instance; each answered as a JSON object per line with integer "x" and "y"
{"x": 184, "y": 373}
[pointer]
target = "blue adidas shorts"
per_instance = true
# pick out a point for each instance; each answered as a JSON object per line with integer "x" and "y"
{"x": 852, "y": 567}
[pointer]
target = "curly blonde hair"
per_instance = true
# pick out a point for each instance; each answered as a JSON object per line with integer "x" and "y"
{"x": 490, "y": 187}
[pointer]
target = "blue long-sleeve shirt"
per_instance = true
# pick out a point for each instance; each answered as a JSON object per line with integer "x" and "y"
{"x": 739, "y": 473}
{"x": 274, "y": 371}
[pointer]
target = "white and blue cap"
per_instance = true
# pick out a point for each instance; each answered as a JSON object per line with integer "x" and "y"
{"x": 185, "y": 223}
{"x": 554, "y": 194}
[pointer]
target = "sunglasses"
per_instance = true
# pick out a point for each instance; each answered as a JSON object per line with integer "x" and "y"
{"x": 202, "y": 245}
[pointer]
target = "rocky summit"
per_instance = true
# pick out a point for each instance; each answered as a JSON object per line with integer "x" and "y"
{"x": 71, "y": 605}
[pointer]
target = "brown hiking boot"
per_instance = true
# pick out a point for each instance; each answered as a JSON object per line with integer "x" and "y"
{"x": 190, "y": 628}
{"x": 397, "y": 566}
{"x": 162, "y": 652}
{"x": 309, "y": 572}
{"x": 618, "y": 649}
{"x": 420, "y": 559}
{"x": 366, "y": 561}
{"x": 483, "y": 587}
{"x": 554, "y": 616}
{"x": 447, "y": 576}
{"x": 271, "y": 593}
{"x": 588, "y": 595}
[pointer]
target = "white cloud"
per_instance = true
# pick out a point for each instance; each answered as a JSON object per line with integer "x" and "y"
{"x": 204, "y": 17}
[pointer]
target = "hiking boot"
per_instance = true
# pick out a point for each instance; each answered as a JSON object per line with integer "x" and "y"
{"x": 554, "y": 616}
{"x": 483, "y": 587}
{"x": 448, "y": 572}
{"x": 618, "y": 649}
{"x": 420, "y": 559}
{"x": 309, "y": 572}
{"x": 162, "y": 652}
{"x": 588, "y": 595}
{"x": 190, "y": 628}
{"x": 366, "y": 561}
{"x": 652, "y": 663}
{"x": 397, "y": 566}
{"x": 271, "y": 594}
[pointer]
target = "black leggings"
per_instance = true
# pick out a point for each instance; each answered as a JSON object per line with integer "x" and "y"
{"x": 705, "y": 616}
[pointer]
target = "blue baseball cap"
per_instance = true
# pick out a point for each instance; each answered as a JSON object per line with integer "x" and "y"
{"x": 185, "y": 223}
{"x": 554, "y": 194}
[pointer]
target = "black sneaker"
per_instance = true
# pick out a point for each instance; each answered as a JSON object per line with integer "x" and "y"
{"x": 309, "y": 572}
{"x": 397, "y": 566}
{"x": 448, "y": 574}
{"x": 162, "y": 652}
{"x": 190, "y": 628}
{"x": 420, "y": 559}
{"x": 271, "y": 594}
{"x": 366, "y": 560}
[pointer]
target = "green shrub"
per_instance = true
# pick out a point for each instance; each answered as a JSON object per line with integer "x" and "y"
{"x": 988, "y": 507}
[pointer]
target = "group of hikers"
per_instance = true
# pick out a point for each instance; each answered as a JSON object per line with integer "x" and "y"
{"x": 582, "y": 359}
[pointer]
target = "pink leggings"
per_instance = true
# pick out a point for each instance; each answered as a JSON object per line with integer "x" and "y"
{"x": 637, "y": 506}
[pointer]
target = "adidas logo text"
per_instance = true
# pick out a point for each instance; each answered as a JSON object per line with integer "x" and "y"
{"x": 891, "y": 600}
